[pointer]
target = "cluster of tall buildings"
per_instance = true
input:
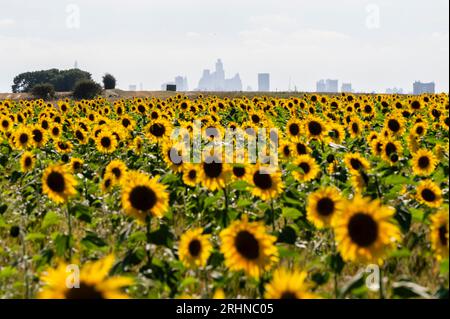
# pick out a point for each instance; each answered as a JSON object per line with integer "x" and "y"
{"x": 327, "y": 86}
{"x": 216, "y": 81}
{"x": 421, "y": 88}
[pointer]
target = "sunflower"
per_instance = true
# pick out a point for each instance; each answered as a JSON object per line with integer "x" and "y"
{"x": 142, "y": 196}
{"x": 191, "y": 174}
{"x": 76, "y": 164}
{"x": 300, "y": 148}
{"x": 94, "y": 282}
{"x": 39, "y": 136}
{"x": 293, "y": 128}
{"x": 315, "y": 128}
{"x": 323, "y": 205}
{"x": 22, "y": 138}
{"x": 117, "y": 169}
{"x": 266, "y": 182}
{"x": 439, "y": 233}
{"x": 5, "y": 123}
{"x": 394, "y": 124}
{"x": 364, "y": 231}
{"x": 240, "y": 172}
{"x": 355, "y": 127}
{"x": 158, "y": 130}
{"x": 173, "y": 155}
{"x": 213, "y": 173}
{"x": 306, "y": 168}
{"x": 55, "y": 131}
{"x": 27, "y": 161}
{"x": 247, "y": 246}
{"x": 106, "y": 142}
{"x": 286, "y": 150}
{"x": 336, "y": 133}
{"x": 287, "y": 284}
{"x": 356, "y": 163}
{"x": 137, "y": 145}
{"x": 429, "y": 193}
{"x": 419, "y": 129}
{"x": 107, "y": 183}
{"x": 58, "y": 184}
{"x": 195, "y": 248}
{"x": 63, "y": 147}
{"x": 423, "y": 162}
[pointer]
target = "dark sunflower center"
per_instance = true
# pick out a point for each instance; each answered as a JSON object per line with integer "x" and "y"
{"x": 301, "y": 149}
{"x": 262, "y": 181}
{"x": 325, "y": 206}
{"x": 195, "y": 247}
{"x": 363, "y": 230}
{"x": 142, "y": 198}
{"x": 56, "y": 182}
{"x": 314, "y": 128}
{"x": 28, "y": 161}
{"x": 238, "y": 171}
{"x": 213, "y": 169}
{"x": 105, "y": 142}
{"x": 286, "y": 151}
{"x": 5, "y": 124}
{"x": 394, "y": 125}
{"x": 424, "y": 162}
{"x": 192, "y": 174}
{"x": 428, "y": 195}
{"x": 367, "y": 108}
{"x": 305, "y": 167}
{"x": 294, "y": 129}
{"x": 288, "y": 295}
{"x": 107, "y": 183}
{"x": 79, "y": 135}
{"x": 157, "y": 129}
{"x": 247, "y": 245}
{"x": 126, "y": 122}
{"x": 76, "y": 165}
{"x": 355, "y": 163}
{"x": 55, "y": 131}
{"x": 415, "y": 105}
{"x": 355, "y": 128}
{"x": 85, "y": 291}
{"x": 23, "y": 138}
{"x": 443, "y": 235}
{"x": 117, "y": 172}
{"x": 419, "y": 130}
{"x": 255, "y": 119}
{"x": 390, "y": 148}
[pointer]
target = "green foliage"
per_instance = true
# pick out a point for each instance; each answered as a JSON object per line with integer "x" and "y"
{"x": 86, "y": 89}
{"x": 109, "y": 82}
{"x": 44, "y": 91}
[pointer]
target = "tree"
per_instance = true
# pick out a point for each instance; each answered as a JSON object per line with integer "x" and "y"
{"x": 44, "y": 91}
{"x": 109, "y": 82}
{"x": 86, "y": 89}
{"x": 62, "y": 80}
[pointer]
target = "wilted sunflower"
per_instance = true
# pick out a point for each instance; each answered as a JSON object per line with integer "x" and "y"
{"x": 324, "y": 205}
{"x": 429, "y": 193}
{"x": 106, "y": 142}
{"x": 117, "y": 169}
{"x": 27, "y": 161}
{"x": 246, "y": 246}
{"x": 307, "y": 168}
{"x": 191, "y": 174}
{"x": 287, "y": 284}
{"x": 94, "y": 282}
{"x": 266, "y": 182}
{"x": 364, "y": 231}
{"x": 214, "y": 173}
{"x": 195, "y": 248}
{"x": 423, "y": 162}
{"x": 58, "y": 184}
{"x": 439, "y": 233}
{"x": 143, "y": 196}
{"x": 356, "y": 163}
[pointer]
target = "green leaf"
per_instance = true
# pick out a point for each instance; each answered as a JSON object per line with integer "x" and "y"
{"x": 290, "y": 212}
{"x": 355, "y": 282}
{"x": 244, "y": 202}
{"x": 443, "y": 267}
{"x": 35, "y": 237}
{"x": 50, "y": 219}
{"x": 62, "y": 244}
{"x": 396, "y": 180}
{"x": 92, "y": 241}
{"x": 287, "y": 235}
{"x": 81, "y": 212}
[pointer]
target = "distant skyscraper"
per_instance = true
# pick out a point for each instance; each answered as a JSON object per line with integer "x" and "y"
{"x": 181, "y": 83}
{"x": 216, "y": 81}
{"x": 327, "y": 86}
{"x": 263, "y": 82}
{"x": 420, "y": 88}
{"x": 132, "y": 87}
{"x": 75, "y": 65}
{"x": 346, "y": 87}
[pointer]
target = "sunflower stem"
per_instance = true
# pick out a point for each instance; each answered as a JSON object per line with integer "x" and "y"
{"x": 69, "y": 228}
{"x": 378, "y": 187}
{"x": 272, "y": 212}
{"x": 381, "y": 282}
{"x": 148, "y": 224}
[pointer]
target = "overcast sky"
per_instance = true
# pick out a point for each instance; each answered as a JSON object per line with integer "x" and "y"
{"x": 375, "y": 44}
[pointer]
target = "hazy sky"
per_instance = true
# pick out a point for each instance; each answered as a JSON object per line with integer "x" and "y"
{"x": 373, "y": 44}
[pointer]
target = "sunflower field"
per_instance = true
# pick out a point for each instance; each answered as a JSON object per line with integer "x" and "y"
{"x": 93, "y": 204}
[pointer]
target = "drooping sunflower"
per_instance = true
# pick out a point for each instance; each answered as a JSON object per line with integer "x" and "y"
{"x": 307, "y": 168}
{"x": 191, "y": 174}
{"x": 429, "y": 193}
{"x": 423, "y": 162}
{"x": 365, "y": 231}
{"x": 117, "y": 169}
{"x": 287, "y": 284}
{"x": 266, "y": 182}
{"x": 355, "y": 163}
{"x": 27, "y": 161}
{"x": 94, "y": 282}
{"x": 324, "y": 205}
{"x": 195, "y": 248}
{"x": 439, "y": 233}
{"x": 106, "y": 142}
{"x": 58, "y": 184}
{"x": 248, "y": 247}
{"x": 143, "y": 196}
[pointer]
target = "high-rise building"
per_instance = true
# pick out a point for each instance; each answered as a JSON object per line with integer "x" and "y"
{"x": 216, "y": 81}
{"x": 132, "y": 87}
{"x": 346, "y": 88}
{"x": 181, "y": 83}
{"x": 321, "y": 86}
{"x": 263, "y": 82}
{"x": 327, "y": 86}
{"x": 421, "y": 88}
